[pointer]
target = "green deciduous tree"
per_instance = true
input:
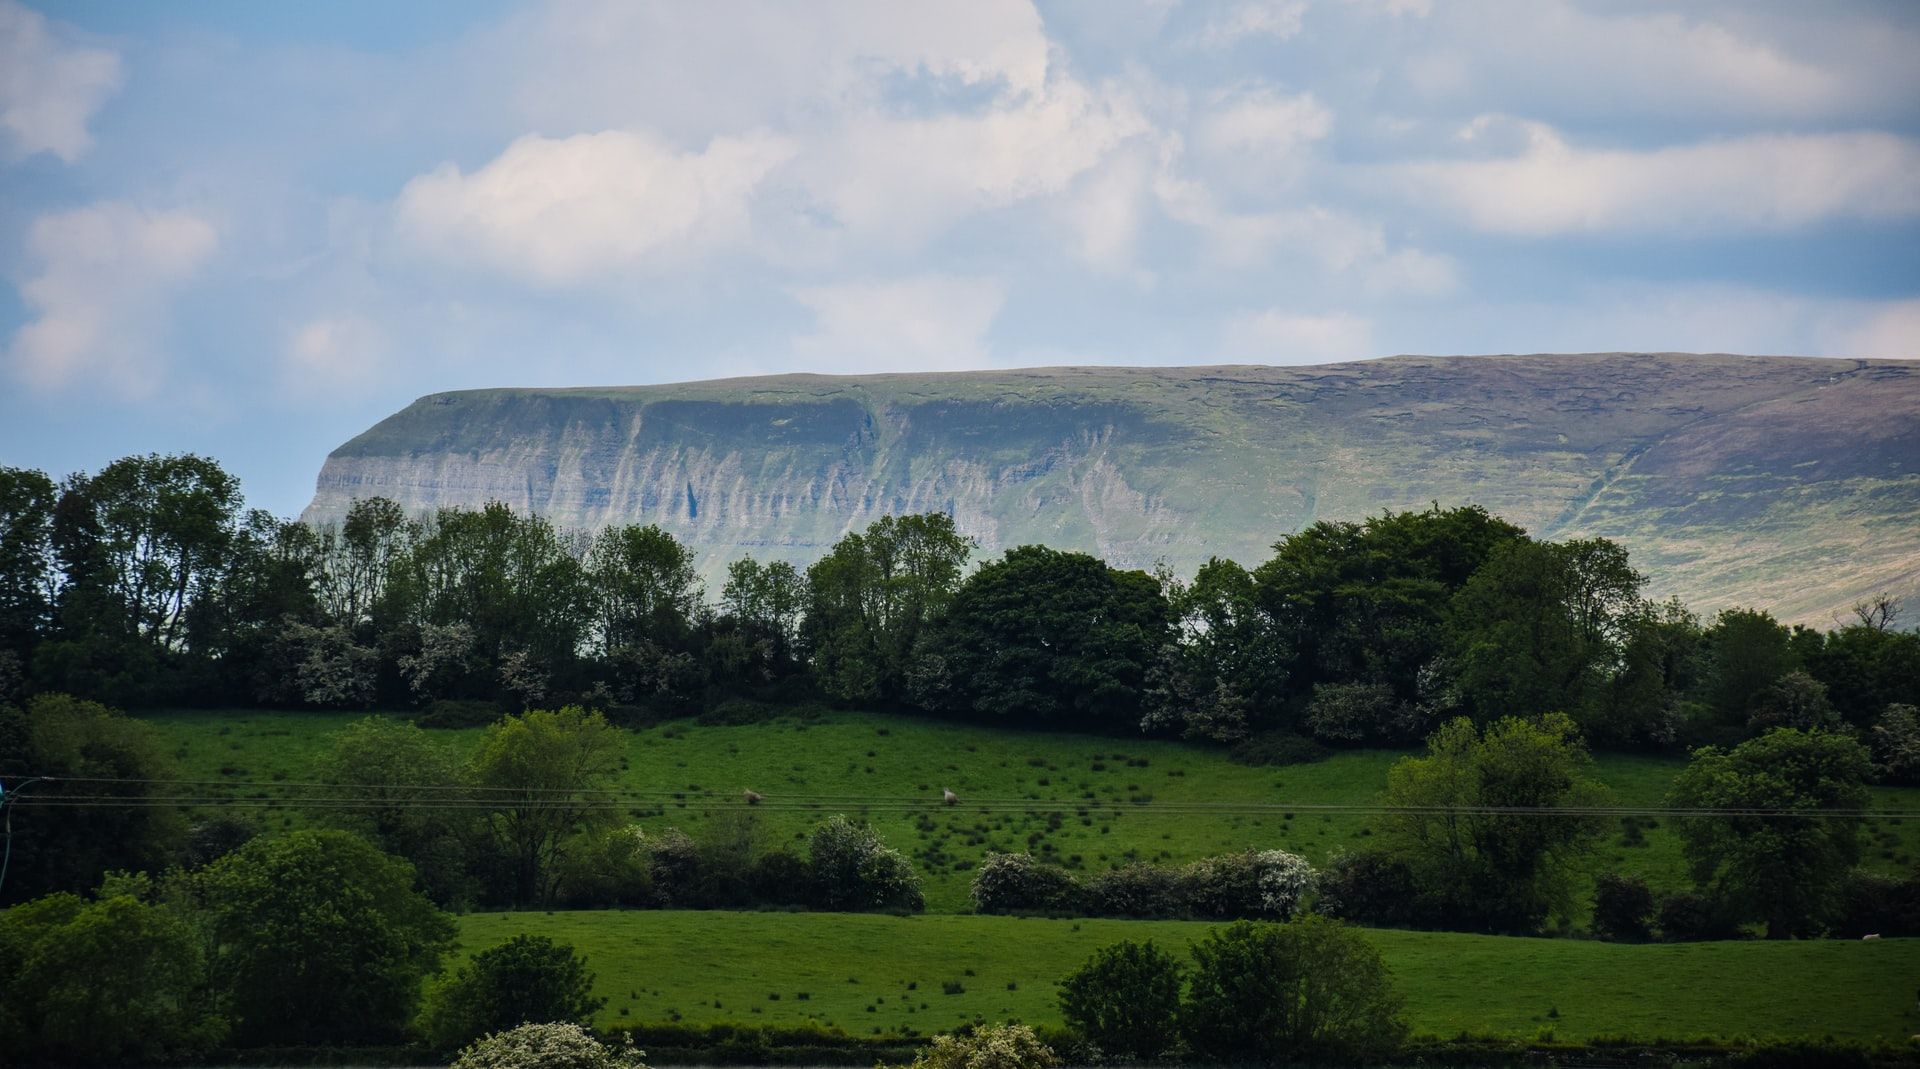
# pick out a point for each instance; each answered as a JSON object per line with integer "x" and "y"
{"x": 643, "y": 588}
{"x": 544, "y": 776}
{"x": 852, "y": 869}
{"x": 1308, "y": 990}
{"x": 869, "y": 600}
{"x": 320, "y": 938}
{"x": 1782, "y": 868}
{"x": 26, "y": 558}
{"x": 1495, "y": 870}
{"x": 529, "y": 979}
{"x": 103, "y": 982}
{"x": 405, "y": 777}
{"x": 1046, "y": 637}
{"x": 1125, "y": 1000}
{"x": 58, "y": 848}
{"x": 1539, "y": 627}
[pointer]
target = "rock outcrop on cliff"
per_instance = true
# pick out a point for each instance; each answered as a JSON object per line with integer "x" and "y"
{"x": 1792, "y": 484}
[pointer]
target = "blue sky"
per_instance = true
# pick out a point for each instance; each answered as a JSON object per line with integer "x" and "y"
{"x": 250, "y": 230}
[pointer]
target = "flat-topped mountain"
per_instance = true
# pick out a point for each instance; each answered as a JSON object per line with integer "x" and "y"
{"x": 1788, "y": 483}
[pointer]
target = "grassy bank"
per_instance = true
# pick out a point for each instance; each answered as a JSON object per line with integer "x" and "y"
{"x": 870, "y": 974}
{"x": 870, "y": 764}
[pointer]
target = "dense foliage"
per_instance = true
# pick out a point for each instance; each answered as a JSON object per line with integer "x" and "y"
{"x": 1125, "y": 1000}
{"x": 526, "y": 980}
{"x": 1310, "y": 990}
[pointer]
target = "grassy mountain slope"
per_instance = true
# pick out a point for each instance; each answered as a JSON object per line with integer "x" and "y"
{"x": 1786, "y": 483}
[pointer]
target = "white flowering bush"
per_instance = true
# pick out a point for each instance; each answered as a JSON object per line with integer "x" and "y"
{"x": 1007, "y": 1046}
{"x": 547, "y": 1046}
{"x": 1284, "y": 880}
{"x": 853, "y": 870}
{"x": 1267, "y": 884}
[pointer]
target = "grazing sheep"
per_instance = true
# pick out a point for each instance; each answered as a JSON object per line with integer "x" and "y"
{"x": 949, "y": 797}
{"x": 1875, "y": 935}
{"x": 752, "y": 796}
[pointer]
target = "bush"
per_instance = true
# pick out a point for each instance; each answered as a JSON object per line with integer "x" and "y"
{"x": 1688, "y": 917}
{"x": 1312, "y": 989}
{"x": 1622, "y": 908}
{"x": 1264, "y": 884}
{"x": 1352, "y": 713}
{"x": 1370, "y": 887}
{"x": 1277, "y": 748}
{"x": 1125, "y": 1000}
{"x": 546, "y": 1046}
{"x": 609, "y": 867}
{"x": 1008, "y": 1046}
{"x": 853, "y": 870}
{"x": 1016, "y": 883}
{"x": 1137, "y": 890}
{"x": 451, "y": 713}
{"x": 1872, "y": 904}
{"x": 526, "y": 980}
{"x": 102, "y": 982}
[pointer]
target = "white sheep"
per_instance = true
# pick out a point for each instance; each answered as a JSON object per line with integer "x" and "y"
{"x": 949, "y": 797}
{"x": 752, "y": 796}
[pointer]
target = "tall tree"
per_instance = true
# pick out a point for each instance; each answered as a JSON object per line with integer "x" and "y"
{"x": 643, "y": 586}
{"x": 1045, "y": 637}
{"x": 320, "y": 939}
{"x": 164, "y": 526}
{"x": 1539, "y": 627}
{"x": 1783, "y": 866}
{"x": 1465, "y": 819}
{"x": 543, "y": 776}
{"x": 874, "y": 594}
{"x": 26, "y": 557}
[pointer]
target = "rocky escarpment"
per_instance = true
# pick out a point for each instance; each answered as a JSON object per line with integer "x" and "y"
{"x": 1789, "y": 483}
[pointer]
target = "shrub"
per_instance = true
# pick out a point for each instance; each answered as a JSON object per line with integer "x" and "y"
{"x": 561, "y": 1045}
{"x": 853, "y": 870}
{"x": 1871, "y": 903}
{"x": 1137, "y": 890}
{"x": 1266, "y": 884}
{"x": 1622, "y": 908}
{"x": 102, "y": 982}
{"x": 1125, "y": 1000}
{"x": 1369, "y": 887}
{"x": 526, "y": 980}
{"x": 1007, "y": 1046}
{"x": 611, "y": 867}
{"x": 1277, "y": 748}
{"x": 1357, "y": 712}
{"x": 1310, "y": 989}
{"x": 1016, "y": 883}
{"x": 1689, "y": 917}
{"x": 673, "y": 863}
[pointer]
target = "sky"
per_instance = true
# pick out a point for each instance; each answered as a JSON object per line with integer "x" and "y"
{"x": 250, "y": 230}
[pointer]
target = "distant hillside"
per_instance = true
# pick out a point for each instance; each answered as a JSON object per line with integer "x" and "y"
{"x": 1792, "y": 484}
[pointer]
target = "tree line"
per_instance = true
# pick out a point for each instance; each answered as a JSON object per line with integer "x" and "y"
{"x": 148, "y": 583}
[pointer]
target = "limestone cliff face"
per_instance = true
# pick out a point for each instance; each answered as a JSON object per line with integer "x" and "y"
{"x": 1786, "y": 483}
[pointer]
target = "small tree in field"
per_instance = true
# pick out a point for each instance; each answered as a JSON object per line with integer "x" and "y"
{"x": 529, "y": 979}
{"x": 1125, "y": 1000}
{"x": 1622, "y": 908}
{"x": 1312, "y": 989}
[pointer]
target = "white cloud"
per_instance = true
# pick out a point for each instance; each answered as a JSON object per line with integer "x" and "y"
{"x": 327, "y": 353}
{"x": 899, "y": 181}
{"x": 1277, "y": 19}
{"x": 1277, "y": 337}
{"x": 49, "y": 87}
{"x": 692, "y": 69}
{"x": 1766, "y": 183}
{"x": 568, "y": 210}
{"x": 100, "y": 298}
{"x": 1258, "y": 137}
{"x": 1891, "y": 331}
{"x": 928, "y": 323}
{"x": 1599, "y": 59}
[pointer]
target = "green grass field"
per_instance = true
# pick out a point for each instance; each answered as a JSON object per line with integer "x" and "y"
{"x": 869, "y": 974}
{"x": 890, "y": 769}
